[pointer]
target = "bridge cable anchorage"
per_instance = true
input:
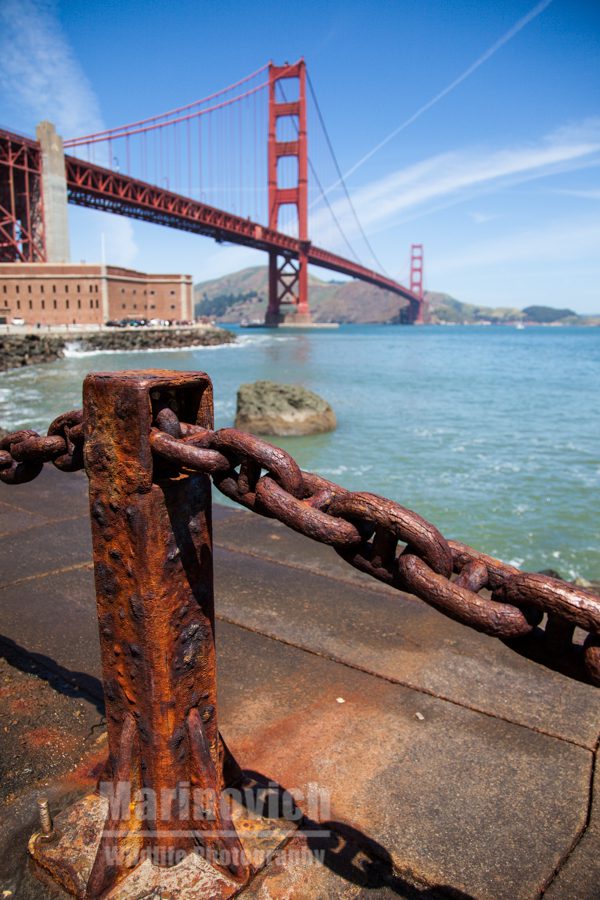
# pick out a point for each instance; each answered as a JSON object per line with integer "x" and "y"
{"x": 342, "y": 179}
{"x": 363, "y": 528}
{"x": 323, "y": 195}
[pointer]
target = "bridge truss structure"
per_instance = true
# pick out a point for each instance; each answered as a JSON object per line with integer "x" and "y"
{"x": 114, "y": 171}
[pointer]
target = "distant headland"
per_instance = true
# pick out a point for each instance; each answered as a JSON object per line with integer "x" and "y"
{"x": 243, "y": 296}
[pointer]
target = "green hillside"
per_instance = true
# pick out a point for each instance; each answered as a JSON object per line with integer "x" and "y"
{"x": 243, "y": 296}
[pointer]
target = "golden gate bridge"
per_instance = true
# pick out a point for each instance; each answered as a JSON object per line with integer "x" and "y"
{"x": 202, "y": 168}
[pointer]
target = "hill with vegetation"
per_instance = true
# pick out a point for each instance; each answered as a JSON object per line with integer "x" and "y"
{"x": 242, "y": 296}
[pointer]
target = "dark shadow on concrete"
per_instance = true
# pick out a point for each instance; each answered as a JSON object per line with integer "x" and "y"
{"x": 534, "y": 646}
{"x": 354, "y": 856}
{"x": 65, "y": 681}
{"x": 346, "y": 851}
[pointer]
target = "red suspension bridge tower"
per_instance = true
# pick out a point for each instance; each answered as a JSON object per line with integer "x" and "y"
{"x": 416, "y": 280}
{"x": 288, "y": 277}
{"x": 200, "y": 167}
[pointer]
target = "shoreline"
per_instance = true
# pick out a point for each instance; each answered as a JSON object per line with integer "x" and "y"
{"x": 33, "y": 348}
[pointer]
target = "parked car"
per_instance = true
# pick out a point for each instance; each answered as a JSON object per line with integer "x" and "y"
{"x": 114, "y": 323}
{"x": 17, "y": 320}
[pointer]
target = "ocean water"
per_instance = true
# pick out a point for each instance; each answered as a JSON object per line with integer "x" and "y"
{"x": 492, "y": 433}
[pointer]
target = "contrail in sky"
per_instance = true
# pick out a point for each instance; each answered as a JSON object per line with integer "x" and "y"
{"x": 516, "y": 28}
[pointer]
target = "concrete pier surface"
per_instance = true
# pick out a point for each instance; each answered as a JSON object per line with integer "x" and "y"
{"x": 453, "y": 766}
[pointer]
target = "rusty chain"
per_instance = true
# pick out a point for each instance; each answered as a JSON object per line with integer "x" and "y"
{"x": 363, "y": 528}
{"x": 23, "y": 453}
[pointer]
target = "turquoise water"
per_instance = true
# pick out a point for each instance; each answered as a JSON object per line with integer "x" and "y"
{"x": 492, "y": 433}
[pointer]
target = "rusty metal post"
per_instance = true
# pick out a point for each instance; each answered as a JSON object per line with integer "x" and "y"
{"x": 152, "y": 541}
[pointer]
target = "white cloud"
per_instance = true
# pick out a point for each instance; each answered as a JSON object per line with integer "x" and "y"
{"x": 556, "y": 243}
{"x": 453, "y": 177}
{"x": 42, "y": 79}
{"x": 518, "y": 26}
{"x": 39, "y": 71}
{"x": 481, "y": 218}
{"x": 584, "y": 195}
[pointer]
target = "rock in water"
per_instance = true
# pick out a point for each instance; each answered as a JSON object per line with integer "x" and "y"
{"x": 266, "y": 407}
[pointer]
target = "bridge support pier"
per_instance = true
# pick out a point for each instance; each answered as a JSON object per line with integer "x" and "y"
{"x": 288, "y": 286}
{"x": 54, "y": 189}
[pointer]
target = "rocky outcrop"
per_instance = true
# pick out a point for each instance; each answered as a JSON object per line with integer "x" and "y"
{"x": 31, "y": 349}
{"x": 265, "y": 407}
{"x": 148, "y": 339}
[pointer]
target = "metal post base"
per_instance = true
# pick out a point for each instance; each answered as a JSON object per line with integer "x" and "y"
{"x": 161, "y": 814}
{"x": 68, "y": 855}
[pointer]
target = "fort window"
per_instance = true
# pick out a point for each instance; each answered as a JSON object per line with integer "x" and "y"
{"x": 91, "y": 304}
{"x": 96, "y": 304}
{"x": 28, "y": 288}
{"x": 43, "y": 304}
{"x": 66, "y": 288}
{"x": 172, "y": 306}
{"x": 78, "y": 288}
{"x": 41, "y": 288}
{"x": 17, "y": 288}
{"x": 30, "y": 304}
{"x": 54, "y": 304}
{"x": 18, "y": 304}
{"x": 66, "y": 304}
{"x": 79, "y": 304}
{"x": 53, "y": 288}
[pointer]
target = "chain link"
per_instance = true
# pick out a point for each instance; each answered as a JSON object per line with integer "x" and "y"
{"x": 23, "y": 453}
{"x": 375, "y": 535}
{"x": 391, "y": 543}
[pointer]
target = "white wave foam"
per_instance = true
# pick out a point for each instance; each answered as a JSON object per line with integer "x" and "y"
{"x": 77, "y": 353}
{"x": 342, "y": 470}
{"x": 73, "y": 349}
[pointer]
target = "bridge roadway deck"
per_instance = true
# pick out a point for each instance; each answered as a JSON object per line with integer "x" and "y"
{"x": 455, "y": 766}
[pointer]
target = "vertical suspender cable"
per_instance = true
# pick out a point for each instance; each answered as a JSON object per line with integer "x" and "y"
{"x": 209, "y": 167}
{"x": 189, "y": 157}
{"x": 199, "y": 157}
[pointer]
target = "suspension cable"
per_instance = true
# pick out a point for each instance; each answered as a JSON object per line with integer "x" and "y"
{"x": 341, "y": 177}
{"x": 317, "y": 179}
{"x": 171, "y": 112}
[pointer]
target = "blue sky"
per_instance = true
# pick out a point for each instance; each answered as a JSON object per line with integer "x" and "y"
{"x": 499, "y": 178}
